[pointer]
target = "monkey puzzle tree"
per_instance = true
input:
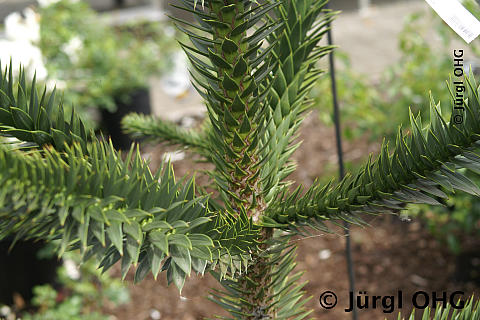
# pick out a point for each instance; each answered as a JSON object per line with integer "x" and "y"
{"x": 253, "y": 64}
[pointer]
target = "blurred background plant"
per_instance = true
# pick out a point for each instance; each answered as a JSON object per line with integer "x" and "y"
{"x": 420, "y": 67}
{"x": 369, "y": 105}
{"x": 474, "y": 7}
{"x": 80, "y": 293}
{"x": 457, "y": 225}
{"x": 358, "y": 99}
{"x": 100, "y": 65}
{"x": 368, "y": 108}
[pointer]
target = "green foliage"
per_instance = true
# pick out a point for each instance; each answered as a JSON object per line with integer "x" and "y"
{"x": 84, "y": 193}
{"x": 71, "y": 308}
{"x": 459, "y": 220}
{"x": 255, "y": 65}
{"x": 456, "y": 223}
{"x": 141, "y": 126}
{"x": 474, "y": 8}
{"x": 430, "y": 159}
{"x": 279, "y": 289}
{"x": 94, "y": 286}
{"x": 78, "y": 299}
{"x": 30, "y": 118}
{"x": 360, "y": 102}
{"x": 90, "y": 56}
{"x": 234, "y": 84}
{"x": 369, "y": 109}
{"x": 471, "y": 311}
{"x": 420, "y": 69}
{"x": 377, "y": 107}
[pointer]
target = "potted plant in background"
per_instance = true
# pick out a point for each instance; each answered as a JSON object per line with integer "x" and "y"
{"x": 105, "y": 71}
{"x": 103, "y": 67}
{"x": 367, "y": 104}
{"x": 21, "y": 32}
{"x": 81, "y": 292}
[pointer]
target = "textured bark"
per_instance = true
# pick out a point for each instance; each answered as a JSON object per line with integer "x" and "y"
{"x": 256, "y": 282}
{"x": 237, "y": 108}
{"x": 238, "y": 111}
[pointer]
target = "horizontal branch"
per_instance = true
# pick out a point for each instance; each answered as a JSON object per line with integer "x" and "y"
{"x": 61, "y": 185}
{"x": 141, "y": 126}
{"x": 424, "y": 167}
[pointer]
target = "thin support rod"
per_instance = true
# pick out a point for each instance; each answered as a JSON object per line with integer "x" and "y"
{"x": 341, "y": 169}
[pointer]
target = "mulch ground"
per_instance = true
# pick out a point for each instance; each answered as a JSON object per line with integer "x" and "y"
{"x": 390, "y": 255}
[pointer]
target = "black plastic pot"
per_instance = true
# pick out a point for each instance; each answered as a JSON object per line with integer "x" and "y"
{"x": 467, "y": 267}
{"x": 21, "y": 270}
{"x": 139, "y": 102}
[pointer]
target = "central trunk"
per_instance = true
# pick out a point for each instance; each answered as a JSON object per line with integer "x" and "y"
{"x": 256, "y": 283}
{"x": 233, "y": 99}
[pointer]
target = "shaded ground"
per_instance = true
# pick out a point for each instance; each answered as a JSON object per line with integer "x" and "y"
{"x": 391, "y": 255}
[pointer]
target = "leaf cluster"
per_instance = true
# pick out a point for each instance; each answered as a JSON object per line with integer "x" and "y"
{"x": 79, "y": 189}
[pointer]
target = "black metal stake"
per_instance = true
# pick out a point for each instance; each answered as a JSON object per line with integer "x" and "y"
{"x": 341, "y": 169}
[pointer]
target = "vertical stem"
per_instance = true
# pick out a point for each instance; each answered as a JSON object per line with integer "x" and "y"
{"x": 336, "y": 114}
{"x": 256, "y": 282}
{"x": 237, "y": 109}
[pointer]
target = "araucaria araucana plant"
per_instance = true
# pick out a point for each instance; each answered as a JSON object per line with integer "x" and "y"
{"x": 254, "y": 64}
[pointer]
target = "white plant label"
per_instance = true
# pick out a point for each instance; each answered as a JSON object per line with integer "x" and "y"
{"x": 457, "y": 17}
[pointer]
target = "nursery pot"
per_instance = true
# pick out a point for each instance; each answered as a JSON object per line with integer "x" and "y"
{"x": 21, "y": 270}
{"x": 467, "y": 267}
{"x": 139, "y": 102}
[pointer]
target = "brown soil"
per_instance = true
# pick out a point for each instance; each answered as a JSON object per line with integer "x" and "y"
{"x": 389, "y": 256}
